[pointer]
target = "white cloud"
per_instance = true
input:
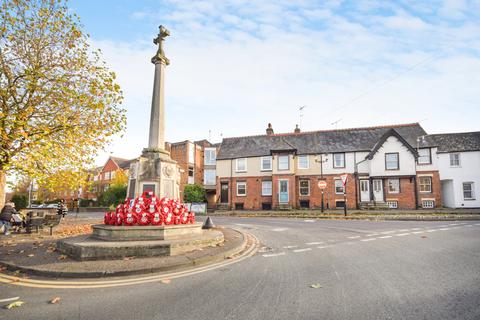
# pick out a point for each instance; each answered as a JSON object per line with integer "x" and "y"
{"x": 234, "y": 68}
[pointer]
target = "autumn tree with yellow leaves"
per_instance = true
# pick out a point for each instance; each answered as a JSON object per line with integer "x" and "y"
{"x": 59, "y": 103}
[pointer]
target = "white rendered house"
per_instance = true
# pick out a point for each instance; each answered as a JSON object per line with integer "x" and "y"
{"x": 458, "y": 158}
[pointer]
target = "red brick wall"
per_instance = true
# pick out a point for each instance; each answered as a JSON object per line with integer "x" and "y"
{"x": 330, "y": 197}
{"x": 436, "y": 189}
{"x": 406, "y": 196}
{"x": 179, "y": 153}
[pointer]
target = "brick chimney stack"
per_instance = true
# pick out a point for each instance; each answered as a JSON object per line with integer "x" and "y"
{"x": 297, "y": 129}
{"x": 269, "y": 129}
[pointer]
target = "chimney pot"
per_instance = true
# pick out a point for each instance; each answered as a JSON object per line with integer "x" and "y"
{"x": 297, "y": 129}
{"x": 269, "y": 129}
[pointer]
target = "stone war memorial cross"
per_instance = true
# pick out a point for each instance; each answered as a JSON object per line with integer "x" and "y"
{"x": 155, "y": 170}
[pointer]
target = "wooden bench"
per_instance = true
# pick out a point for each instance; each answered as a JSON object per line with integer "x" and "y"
{"x": 52, "y": 221}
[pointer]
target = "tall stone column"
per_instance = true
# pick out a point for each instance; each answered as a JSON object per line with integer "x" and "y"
{"x": 156, "y": 139}
{"x": 155, "y": 170}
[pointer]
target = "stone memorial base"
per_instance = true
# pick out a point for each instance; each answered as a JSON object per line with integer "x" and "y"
{"x": 118, "y": 242}
{"x": 140, "y": 233}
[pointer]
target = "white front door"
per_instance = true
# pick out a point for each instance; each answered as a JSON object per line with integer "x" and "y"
{"x": 377, "y": 190}
{"x": 364, "y": 191}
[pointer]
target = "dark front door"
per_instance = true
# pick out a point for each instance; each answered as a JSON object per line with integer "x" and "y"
{"x": 224, "y": 192}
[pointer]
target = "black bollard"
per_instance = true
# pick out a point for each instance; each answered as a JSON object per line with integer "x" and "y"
{"x": 208, "y": 224}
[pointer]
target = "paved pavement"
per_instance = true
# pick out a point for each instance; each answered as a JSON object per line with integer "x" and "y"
{"x": 366, "y": 270}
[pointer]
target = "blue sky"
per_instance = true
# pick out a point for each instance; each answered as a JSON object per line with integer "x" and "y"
{"x": 236, "y": 65}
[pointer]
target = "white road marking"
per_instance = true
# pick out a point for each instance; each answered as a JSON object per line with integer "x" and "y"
{"x": 10, "y": 299}
{"x": 402, "y": 234}
{"x": 385, "y": 237}
{"x": 453, "y": 224}
{"x": 469, "y": 225}
{"x": 443, "y": 225}
{"x": 349, "y": 243}
{"x": 403, "y": 230}
{"x": 477, "y": 224}
{"x": 388, "y": 232}
{"x": 279, "y": 229}
{"x": 354, "y": 237}
{"x": 431, "y": 230}
{"x": 369, "y": 239}
{"x": 330, "y": 240}
{"x": 417, "y": 232}
{"x": 414, "y": 229}
{"x": 444, "y": 229}
{"x": 273, "y": 255}
{"x": 323, "y": 247}
{"x": 289, "y": 247}
{"x": 313, "y": 243}
{"x": 302, "y": 250}
{"x": 309, "y": 220}
{"x": 372, "y": 235}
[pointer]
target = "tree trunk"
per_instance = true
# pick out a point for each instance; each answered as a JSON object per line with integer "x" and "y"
{"x": 3, "y": 182}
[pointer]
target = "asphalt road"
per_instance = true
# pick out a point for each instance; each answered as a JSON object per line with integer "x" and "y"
{"x": 366, "y": 270}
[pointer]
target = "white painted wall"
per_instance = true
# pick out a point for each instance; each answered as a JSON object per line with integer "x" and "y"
{"x": 448, "y": 195}
{"x": 430, "y": 167}
{"x": 468, "y": 171}
{"x": 406, "y": 159}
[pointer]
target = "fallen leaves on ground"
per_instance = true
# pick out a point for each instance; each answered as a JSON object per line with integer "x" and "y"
{"x": 67, "y": 231}
{"x": 165, "y": 281}
{"x": 424, "y": 237}
{"x": 15, "y": 304}
{"x": 316, "y": 286}
{"x": 128, "y": 258}
{"x": 55, "y": 300}
{"x": 62, "y": 257}
{"x": 30, "y": 255}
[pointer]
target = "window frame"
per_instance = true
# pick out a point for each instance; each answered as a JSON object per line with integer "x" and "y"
{"x": 458, "y": 159}
{"x": 392, "y": 204}
{"x": 429, "y": 156}
{"x": 211, "y": 161}
{"x": 214, "y": 177}
{"x": 335, "y": 186}
{"x": 300, "y": 187}
{"x": 237, "y": 184}
{"x": 398, "y": 161}
{"x": 271, "y": 188}
{"x": 261, "y": 163}
{"x": 288, "y": 162}
{"x": 420, "y": 184}
{"x": 388, "y": 186}
{"x": 334, "y": 162}
{"x": 303, "y": 156}
{"x": 236, "y": 165}
{"x": 431, "y": 204}
{"x": 472, "y": 190}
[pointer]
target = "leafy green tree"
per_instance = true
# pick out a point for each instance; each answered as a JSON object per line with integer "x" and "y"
{"x": 20, "y": 200}
{"x": 194, "y": 193}
{"x": 114, "y": 195}
{"x": 59, "y": 103}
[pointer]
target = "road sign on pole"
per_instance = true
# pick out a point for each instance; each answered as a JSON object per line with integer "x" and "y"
{"x": 322, "y": 184}
{"x": 344, "y": 178}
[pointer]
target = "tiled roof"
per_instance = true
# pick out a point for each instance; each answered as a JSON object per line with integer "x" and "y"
{"x": 453, "y": 142}
{"x": 315, "y": 142}
{"x": 123, "y": 163}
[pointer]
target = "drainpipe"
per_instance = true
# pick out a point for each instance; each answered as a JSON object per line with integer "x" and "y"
{"x": 230, "y": 189}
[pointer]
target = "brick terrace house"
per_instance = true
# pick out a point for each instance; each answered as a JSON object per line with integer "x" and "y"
{"x": 102, "y": 176}
{"x": 384, "y": 164}
{"x": 197, "y": 161}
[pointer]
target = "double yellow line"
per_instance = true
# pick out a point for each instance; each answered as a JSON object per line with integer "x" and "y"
{"x": 252, "y": 248}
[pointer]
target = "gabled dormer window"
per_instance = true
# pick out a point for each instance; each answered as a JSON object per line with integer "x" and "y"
{"x": 391, "y": 161}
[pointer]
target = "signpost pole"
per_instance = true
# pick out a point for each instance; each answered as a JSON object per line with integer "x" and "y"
{"x": 322, "y": 202}
{"x": 345, "y": 199}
